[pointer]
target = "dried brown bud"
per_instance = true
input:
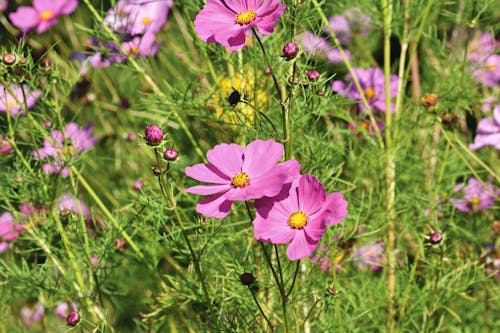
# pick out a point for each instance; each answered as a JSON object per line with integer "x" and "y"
{"x": 430, "y": 100}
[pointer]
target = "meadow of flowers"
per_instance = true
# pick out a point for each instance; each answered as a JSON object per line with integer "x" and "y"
{"x": 249, "y": 166}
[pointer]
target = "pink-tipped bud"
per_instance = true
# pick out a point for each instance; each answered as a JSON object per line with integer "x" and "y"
{"x": 436, "y": 237}
{"x": 9, "y": 58}
{"x": 290, "y": 50}
{"x": 5, "y": 147}
{"x": 170, "y": 154}
{"x": 153, "y": 135}
{"x": 73, "y": 318}
{"x": 312, "y": 75}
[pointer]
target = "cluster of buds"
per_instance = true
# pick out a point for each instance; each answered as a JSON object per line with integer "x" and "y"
{"x": 154, "y": 136}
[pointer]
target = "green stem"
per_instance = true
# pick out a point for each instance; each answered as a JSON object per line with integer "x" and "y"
{"x": 260, "y": 309}
{"x": 107, "y": 213}
{"x": 390, "y": 170}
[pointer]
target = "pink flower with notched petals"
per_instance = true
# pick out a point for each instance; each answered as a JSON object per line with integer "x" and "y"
{"x": 488, "y": 131}
{"x": 9, "y": 231}
{"x": 60, "y": 148}
{"x": 239, "y": 174}
{"x": 42, "y": 15}
{"x": 298, "y": 216}
{"x": 227, "y": 21}
{"x": 476, "y": 197}
{"x": 18, "y": 99}
{"x": 372, "y": 81}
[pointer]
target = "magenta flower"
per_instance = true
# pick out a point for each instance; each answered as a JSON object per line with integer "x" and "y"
{"x": 240, "y": 174}
{"x": 42, "y": 15}
{"x": 298, "y": 216}
{"x": 370, "y": 256}
{"x": 482, "y": 46}
{"x": 476, "y": 196}
{"x": 372, "y": 82}
{"x": 227, "y": 21}
{"x": 488, "y": 131}
{"x": 60, "y": 148}
{"x": 9, "y": 231}
{"x": 23, "y": 98}
{"x": 340, "y": 26}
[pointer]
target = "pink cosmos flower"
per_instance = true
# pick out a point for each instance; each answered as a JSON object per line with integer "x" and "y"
{"x": 42, "y": 15}
{"x": 476, "y": 196}
{"x": 372, "y": 82}
{"x": 60, "y": 148}
{"x": 488, "y": 131}
{"x": 9, "y": 231}
{"x": 482, "y": 46}
{"x": 23, "y": 98}
{"x": 68, "y": 203}
{"x": 32, "y": 314}
{"x": 240, "y": 174}
{"x": 298, "y": 216}
{"x": 487, "y": 72}
{"x": 370, "y": 256}
{"x": 227, "y": 21}
{"x": 319, "y": 47}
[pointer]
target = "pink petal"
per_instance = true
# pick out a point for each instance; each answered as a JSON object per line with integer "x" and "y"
{"x": 228, "y": 158}
{"x": 217, "y": 206}
{"x": 261, "y": 156}
{"x": 301, "y": 246}
{"x": 25, "y": 18}
{"x": 488, "y": 126}
{"x": 274, "y": 229}
{"x": 208, "y": 189}
{"x": 45, "y": 25}
{"x": 311, "y": 194}
{"x": 207, "y": 173}
{"x": 315, "y": 228}
{"x": 336, "y": 209}
{"x": 69, "y": 6}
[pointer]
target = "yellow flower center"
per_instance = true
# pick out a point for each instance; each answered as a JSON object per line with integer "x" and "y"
{"x": 246, "y": 17}
{"x": 11, "y": 105}
{"x": 134, "y": 50}
{"x": 297, "y": 220}
{"x": 240, "y": 180}
{"x": 369, "y": 93}
{"x": 147, "y": 20}
{"x": 46, "y": 15}
{"x": 474, "y": 202}
{"x": 490, "y": 68}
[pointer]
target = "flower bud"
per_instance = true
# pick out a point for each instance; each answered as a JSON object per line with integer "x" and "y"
{"x": 5, "y": 147}
{"x": 247, "y": 279}
{"x": 9, "y": 58}
{"x": 290, "y": 50}
{"x": 170, "y": 154}
{"x": 312, "y": 75}
{"x": 153, "y": 135}
{"x": 234, "y": 97}
{"x": 436, "y": 237}
{"x": 73, "y": 318}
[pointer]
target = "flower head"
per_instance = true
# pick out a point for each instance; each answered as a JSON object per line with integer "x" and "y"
{"x": 9, "y": 231}
{"x": 227, "y": 21}
{"x": 476, "y": 196}
{"x": 298, "y": 216}
{"x": 60, "y": 148}
{"x": 238, "y": 173}
{"x": 68, "y": 204}
{"x": 487, "y": 72}
{"x": 32, "y": 313}
{"x": 42, "y": 15}
{"x": 5, "y": 147}
{"x": 370, "y": 256}
{"x": 372, "y": 82}
{"x": 319, "y": 47}
{"x": 21, "y": 99}
{"x": 488, "y": 131}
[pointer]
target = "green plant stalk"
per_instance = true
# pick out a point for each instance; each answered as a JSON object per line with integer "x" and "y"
{"x": 76, "y": 270}
{"x": 108, "y": 214}
{"x": 146, "y": 77}
{"x": 390, "y": 171}
{"x": 348, "y": 65}
{"x": 261, "y": 310}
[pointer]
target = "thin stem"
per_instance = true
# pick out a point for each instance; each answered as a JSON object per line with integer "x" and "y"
{"x": 294, "y": 278}
{"x": 260, "y": 309}
{"x": 106, "y": 212}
